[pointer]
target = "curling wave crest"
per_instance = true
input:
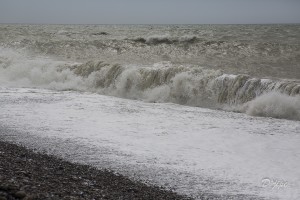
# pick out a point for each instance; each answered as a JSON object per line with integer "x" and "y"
{"x": 162, "y": 82}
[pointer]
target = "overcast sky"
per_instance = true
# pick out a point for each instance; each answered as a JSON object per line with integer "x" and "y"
{"x": 149, "y": 11}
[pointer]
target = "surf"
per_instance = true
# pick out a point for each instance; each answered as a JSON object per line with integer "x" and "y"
{"x": 161, "y": 82}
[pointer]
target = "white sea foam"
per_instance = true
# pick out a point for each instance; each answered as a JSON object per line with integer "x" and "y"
{"x": 274, "y": 104}
{"x": 20, "y": 70}
{"x": 194, "y": 151}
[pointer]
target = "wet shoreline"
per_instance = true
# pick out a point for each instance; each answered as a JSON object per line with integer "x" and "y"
{"x": 25, "y": 174}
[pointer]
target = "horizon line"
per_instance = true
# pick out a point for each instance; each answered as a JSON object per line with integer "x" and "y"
{"x": 284, "y": 23}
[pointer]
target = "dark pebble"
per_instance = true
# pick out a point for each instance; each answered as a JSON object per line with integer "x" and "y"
{"x": 29, "y": 197}
{"x": 20, "y": 194}
{"x": 132, "y": 190}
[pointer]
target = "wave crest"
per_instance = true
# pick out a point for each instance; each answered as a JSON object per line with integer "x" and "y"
{"x": 163, "y": 82}
{"x": 166, "y": 39}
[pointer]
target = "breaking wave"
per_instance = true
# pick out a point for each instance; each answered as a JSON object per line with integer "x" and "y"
{"x": 166, "y": 39}
{"x": 274, "y": 104}
{"x": 162, "y": 82}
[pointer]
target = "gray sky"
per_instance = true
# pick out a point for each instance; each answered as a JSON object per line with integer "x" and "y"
{"x": 149, "y": 11}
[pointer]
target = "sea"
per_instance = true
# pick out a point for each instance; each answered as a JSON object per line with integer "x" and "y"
{"x": 208, "y": 111}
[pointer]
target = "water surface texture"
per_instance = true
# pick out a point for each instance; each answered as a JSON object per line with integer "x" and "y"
{"x": 207, "y": 110}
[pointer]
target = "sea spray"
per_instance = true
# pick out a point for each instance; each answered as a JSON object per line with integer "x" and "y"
{"x": 161, "y": 82}
{"x": 274, "y": 104}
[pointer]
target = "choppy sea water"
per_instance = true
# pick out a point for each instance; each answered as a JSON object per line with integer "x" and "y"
{"x": 203, "y": 109}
